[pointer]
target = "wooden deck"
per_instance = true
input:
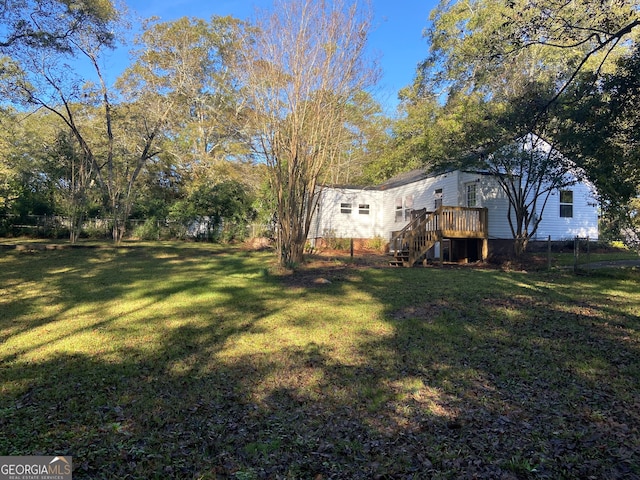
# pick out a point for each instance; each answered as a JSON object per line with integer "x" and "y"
{"x": 411, "y": 244}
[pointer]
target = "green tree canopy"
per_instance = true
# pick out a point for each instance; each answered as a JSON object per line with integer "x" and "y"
{"x": 53, "y": 24}
{"x": 498, "y": 47}
{"x": 600, "y": 129}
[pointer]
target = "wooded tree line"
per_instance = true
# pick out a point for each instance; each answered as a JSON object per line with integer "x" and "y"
{"x": 233, "y": 121}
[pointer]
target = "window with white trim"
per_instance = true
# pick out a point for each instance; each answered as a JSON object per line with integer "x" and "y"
{"x": 345, "y": 208}
{"x": 472, "y": 194}
{"x": 363, "y": 208}
{"x": 438, "y": 198}
{"x": 566, "y": 203}
{"x": 408, "y": 207}
{"x": 399, "y": 209}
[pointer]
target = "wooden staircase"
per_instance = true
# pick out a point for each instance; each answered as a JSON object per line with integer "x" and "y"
{"x": 411, "y": 244}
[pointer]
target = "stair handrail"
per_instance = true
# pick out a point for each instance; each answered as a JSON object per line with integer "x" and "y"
{"x": 414, "y": 223}
{"x": 421, "y": 245}
{"x": 405, "y": 236}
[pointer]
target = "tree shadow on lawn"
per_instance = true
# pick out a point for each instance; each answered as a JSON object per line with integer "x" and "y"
{"x": 544, "y": 378}
{"x": 89, "y": 279}
{"x": 457, "y": 374}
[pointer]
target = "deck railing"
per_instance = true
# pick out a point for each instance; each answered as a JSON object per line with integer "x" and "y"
{"x": 462, "y": 222}
{"x": 424, "y": 231}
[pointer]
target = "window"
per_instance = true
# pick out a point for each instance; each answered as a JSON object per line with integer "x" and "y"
{"x": 438, "y": 198}
{"x": 404, "y": 207}
{"x": 399, "y": 209}
{"x": 472, "y": 194}
{"x": 363, "y": 208}
{"x": 345, "y": 208}
{"x": 566, "y": 203}
{"x": 408, "y": 207}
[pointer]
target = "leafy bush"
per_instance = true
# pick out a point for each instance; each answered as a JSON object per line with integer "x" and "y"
{"x": 214, "y": 213}
{"x": 94, "y": 231}
{"x": 333, "y": 242}
{"x": 149, "y": 230}
{"x": 377, "y": 243}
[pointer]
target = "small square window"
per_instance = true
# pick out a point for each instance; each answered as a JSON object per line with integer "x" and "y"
{"x": 363, "y": 208}
{"x": 566, "y": 196}
{"x": 345, "y": 208}
{"x": 566, "y": 211}
{"x": 408, "y": 201}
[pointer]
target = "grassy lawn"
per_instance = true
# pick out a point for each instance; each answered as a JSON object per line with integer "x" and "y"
{"x": 194, "y": 361}
{"x": 585, "y": 259}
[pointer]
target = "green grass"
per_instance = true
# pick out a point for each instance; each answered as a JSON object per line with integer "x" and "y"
{"x": 568, "y": 259}
{"x": 196, "y": 361}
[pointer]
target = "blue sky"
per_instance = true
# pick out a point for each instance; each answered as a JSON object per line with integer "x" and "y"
{"x": 396, "y": 39}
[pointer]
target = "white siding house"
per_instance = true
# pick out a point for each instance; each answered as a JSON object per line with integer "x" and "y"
{"x": 570, "y": 212}
{"x": 370, "y": 212}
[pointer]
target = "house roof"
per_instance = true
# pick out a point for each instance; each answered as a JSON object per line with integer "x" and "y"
{"x": 420, "y": 174}
{"x": 404, "y": 179}
{"x": 397, "y": 181}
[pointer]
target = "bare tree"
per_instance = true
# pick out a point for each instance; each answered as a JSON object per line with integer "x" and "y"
{"x": 301, "y": 70}
{"x": 528, "y": 171}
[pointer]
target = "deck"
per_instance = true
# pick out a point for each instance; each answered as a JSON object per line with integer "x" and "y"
{"x": 411, "y": 244}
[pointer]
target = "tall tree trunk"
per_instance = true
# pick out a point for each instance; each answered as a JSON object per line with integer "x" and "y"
{"x": 75, "y": 226}
{"x": 520, "y": 243}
